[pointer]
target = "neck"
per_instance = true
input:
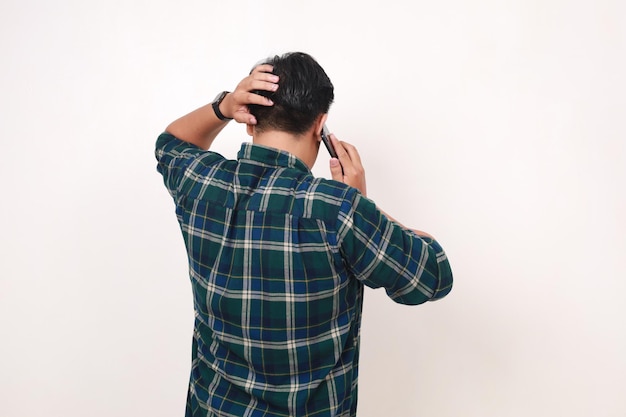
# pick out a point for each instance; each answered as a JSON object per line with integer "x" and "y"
{"x": 304, "y": 146}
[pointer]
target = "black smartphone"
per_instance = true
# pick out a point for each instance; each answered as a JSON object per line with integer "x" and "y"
{"x": 327, "y": 142}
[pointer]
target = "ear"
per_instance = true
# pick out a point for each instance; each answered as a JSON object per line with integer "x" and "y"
{"x": 250, "y": 130}
{"x": 318, "y": 125}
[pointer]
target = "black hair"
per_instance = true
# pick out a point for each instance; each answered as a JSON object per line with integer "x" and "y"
{"x": 304, "y": 92}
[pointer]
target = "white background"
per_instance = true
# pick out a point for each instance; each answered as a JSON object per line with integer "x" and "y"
{"x": 497, "y": 126}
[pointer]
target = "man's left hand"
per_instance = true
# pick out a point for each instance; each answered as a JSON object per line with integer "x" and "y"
{"x": 235, "y": 104}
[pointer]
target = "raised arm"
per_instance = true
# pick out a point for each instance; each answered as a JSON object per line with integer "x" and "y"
{"x": 201, "y": 126}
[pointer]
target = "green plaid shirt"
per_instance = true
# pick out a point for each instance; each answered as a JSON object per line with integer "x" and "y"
{"x": 278, "y": 260}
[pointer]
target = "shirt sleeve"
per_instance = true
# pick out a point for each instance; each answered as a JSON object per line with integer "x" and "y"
{"x": 175, "y": 158}
{"x": 381, "y": 253}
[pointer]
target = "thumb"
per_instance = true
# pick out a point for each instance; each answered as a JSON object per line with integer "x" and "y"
{"x": 242, "y": 115}
{"x": 335, "y": 169}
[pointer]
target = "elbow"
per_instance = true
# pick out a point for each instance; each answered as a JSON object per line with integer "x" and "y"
{"x": 420, "y": 294}
{"x": 442, "y": 291}
{"x": 431, "y": 282}
{"x": 444, "y": 277}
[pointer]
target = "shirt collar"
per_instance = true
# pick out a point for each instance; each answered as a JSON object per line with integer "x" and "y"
{"x": 271, "y": 157}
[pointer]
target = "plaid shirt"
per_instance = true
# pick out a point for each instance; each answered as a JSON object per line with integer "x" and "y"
{"x": 277, "y": 261}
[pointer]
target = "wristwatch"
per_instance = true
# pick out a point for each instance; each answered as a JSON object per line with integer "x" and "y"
{"x": 216, "y": 106}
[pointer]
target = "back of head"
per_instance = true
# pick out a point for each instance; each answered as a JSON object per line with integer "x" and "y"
{"x": 304, "y": 92}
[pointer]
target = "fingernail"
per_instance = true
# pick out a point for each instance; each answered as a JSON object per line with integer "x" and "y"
{"x": 334, "y": 162}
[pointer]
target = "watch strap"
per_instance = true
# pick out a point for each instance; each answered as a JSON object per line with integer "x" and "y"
{"x": 216, "y": 106}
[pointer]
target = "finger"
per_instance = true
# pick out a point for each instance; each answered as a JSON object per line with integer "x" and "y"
{"x": 245, "y": 118}
{"x": 249, "y": 85}
{"x": 252, "y": 98}
{"x": 245, "y": 98}
{"x": 335, "y": 170}
{"x": 265, "y": 76}
{"x": 260, "y": 85}
{"x": 243, "y": 115}
{"x": 354, "y": 154}
{"x": 258, "y": 81}
{"x": 342, "y": 154}
{"x": 263, "y": 68}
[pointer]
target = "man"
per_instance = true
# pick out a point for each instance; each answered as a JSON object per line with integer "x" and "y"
{"x": 278, "y": 258}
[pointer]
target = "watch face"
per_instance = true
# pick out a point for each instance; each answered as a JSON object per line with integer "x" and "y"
{"x": 218, "y": 98}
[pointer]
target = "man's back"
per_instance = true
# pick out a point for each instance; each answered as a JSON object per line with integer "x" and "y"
{"x": 274, "y": 253}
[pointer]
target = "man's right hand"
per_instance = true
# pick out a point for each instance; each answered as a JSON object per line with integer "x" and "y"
{"x": 353, "y": 172}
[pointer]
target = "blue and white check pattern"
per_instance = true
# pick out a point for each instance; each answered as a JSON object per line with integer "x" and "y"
{"x": 278, "y": 260}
